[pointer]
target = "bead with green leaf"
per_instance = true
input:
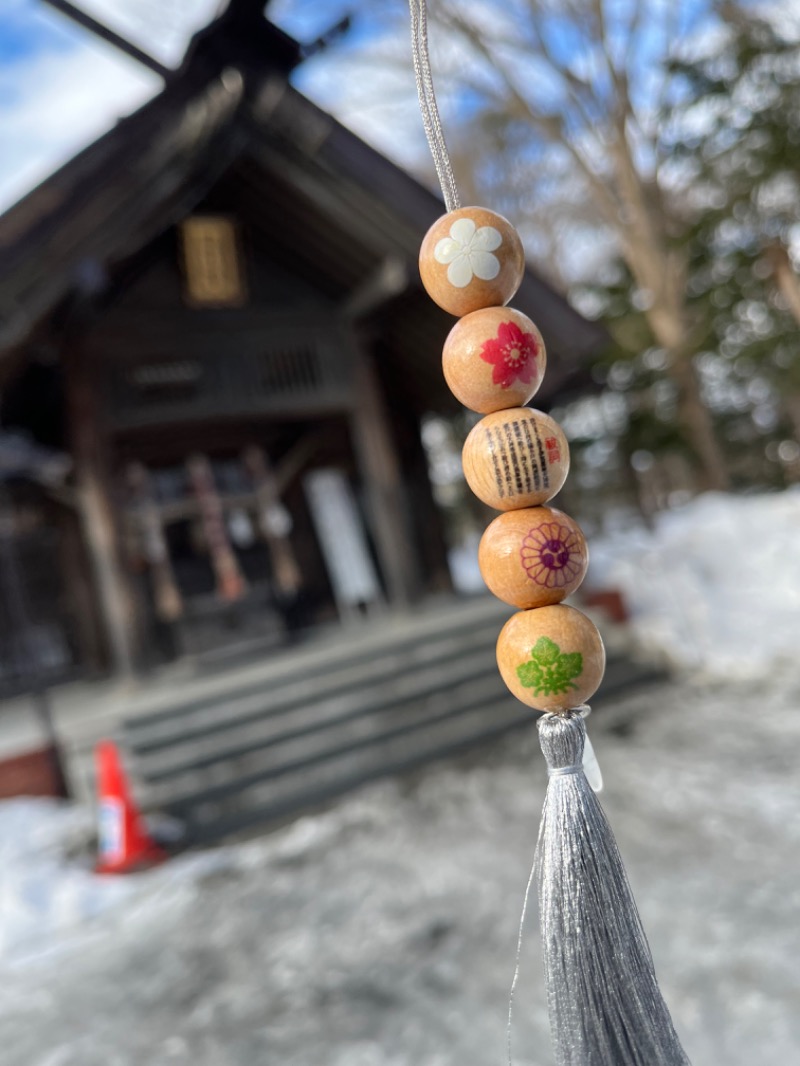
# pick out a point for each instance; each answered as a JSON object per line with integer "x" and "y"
{"x": 550, "y": 670}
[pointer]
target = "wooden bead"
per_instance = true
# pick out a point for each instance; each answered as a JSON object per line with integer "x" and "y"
{"x": 471, "y": 258}
{"x": 533, "y": 557}
{"x": 516, "y": 458}
{"x": 551, "y": 658}
{"x": 493, "y": 359}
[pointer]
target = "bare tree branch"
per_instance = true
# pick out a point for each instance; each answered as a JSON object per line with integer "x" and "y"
{"x": 549, "y": 125}
{"x": 786, "y": 279}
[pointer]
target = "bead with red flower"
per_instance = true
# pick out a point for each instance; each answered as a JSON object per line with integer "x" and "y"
{"x": 513, "y": 355}
{"x": 494, "y": 359}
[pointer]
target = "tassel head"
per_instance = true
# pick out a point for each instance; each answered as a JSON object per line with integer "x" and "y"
{"x": 563, "y": 738}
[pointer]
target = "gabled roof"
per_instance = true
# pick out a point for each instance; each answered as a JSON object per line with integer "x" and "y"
{"x": 113, "y": 197}
{"x": 332, "y": 206}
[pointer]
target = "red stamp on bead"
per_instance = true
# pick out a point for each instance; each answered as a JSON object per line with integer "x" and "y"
{"x": 553, "y": 454}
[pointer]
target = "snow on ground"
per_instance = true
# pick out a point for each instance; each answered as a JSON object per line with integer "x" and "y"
{"x": 716, "y": 586}
{"x": 382, "y": 932}
{"x": 48, "y": 890}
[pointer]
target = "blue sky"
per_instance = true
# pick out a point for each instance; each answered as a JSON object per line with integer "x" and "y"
{"x": 23, "y": 34}
{"x": 61, "y": 87}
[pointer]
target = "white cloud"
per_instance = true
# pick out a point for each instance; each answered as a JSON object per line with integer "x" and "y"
{"x": 368, "y": 83}
{"x": 161, "y": 29}
{"x": 56, "y": 104}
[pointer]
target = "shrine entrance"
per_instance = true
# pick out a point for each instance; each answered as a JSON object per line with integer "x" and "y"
{"x": 250, "y": 546}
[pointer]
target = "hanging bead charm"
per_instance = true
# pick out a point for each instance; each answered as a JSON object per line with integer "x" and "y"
{"x": 515, "y": 459}
{"x": 603, "y": 999}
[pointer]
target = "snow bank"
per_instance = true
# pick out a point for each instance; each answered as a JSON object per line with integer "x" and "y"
{"x": 48, "y": 890}
{"x": 716, "y": 586}
{"x": 40, "y": 894}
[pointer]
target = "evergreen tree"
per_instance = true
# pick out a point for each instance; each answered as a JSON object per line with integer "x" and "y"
{"x": 734, "y": 135}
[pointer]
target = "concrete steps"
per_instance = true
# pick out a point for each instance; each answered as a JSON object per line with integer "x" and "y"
{"x": 328, "y": 718}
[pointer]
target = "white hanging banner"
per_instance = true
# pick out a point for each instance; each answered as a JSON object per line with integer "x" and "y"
{"x": 341, "y": 536}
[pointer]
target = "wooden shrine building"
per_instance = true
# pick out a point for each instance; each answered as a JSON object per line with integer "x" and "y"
{"x": 215, "y": 311}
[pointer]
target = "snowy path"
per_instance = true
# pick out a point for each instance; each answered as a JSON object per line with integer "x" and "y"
{"x": 382, "y": 933}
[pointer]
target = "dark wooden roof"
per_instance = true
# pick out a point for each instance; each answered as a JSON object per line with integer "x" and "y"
{"x": 333, "y": 208}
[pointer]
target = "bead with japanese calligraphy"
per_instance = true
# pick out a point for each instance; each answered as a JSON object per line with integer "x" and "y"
{"x": 533, "y": 557}
{"x": 494, "y": 358}
{"x": 551, "y": 658}
{"x": 471, "y": 258}
{"x": 515, "y": 458}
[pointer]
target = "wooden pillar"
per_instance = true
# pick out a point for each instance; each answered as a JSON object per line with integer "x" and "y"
{"x": 79, "y": 586}
{"x": 285, "y": 569}
{"x": 380, "y": 470}
{"x": 89, "y": 452}
{"x": 430, "y": 538}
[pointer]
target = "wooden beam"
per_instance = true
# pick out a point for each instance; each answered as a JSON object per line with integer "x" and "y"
{"x": 392, "y": 277}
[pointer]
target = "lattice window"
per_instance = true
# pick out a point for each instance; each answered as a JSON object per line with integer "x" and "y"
{"x": 291, "y": 369}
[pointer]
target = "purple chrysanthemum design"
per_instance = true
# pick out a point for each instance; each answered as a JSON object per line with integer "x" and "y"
{"x": 552, "y": 555}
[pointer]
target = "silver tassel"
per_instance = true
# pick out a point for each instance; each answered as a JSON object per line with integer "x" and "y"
{"x": 605, "y": 1005}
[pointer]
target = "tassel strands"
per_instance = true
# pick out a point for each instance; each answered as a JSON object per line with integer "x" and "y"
{"x": 605, "y": 1005}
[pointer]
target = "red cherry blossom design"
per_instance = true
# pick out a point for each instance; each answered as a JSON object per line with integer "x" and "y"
{"x": 513, "y": 355}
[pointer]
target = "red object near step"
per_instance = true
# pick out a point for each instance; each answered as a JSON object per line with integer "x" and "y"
{"x": 124, "y": 843}
{"x": 609, "y": 600}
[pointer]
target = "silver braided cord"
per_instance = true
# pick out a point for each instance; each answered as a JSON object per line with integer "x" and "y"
{"x": 427, "y": 104}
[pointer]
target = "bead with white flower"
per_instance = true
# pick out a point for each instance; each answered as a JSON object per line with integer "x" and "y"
{"x": 471, "y": 258}
{"x": 467, "y": 252}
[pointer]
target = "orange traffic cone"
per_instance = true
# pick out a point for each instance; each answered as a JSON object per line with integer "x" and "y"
{"x": 123, "y": 841}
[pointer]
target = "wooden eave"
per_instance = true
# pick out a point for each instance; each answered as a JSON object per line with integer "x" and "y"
{"x": 114, "y": 197}
{"x": 333, "y": 208}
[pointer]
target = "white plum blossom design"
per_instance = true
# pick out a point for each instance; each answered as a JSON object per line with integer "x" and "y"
{"x": 468, "y": 251}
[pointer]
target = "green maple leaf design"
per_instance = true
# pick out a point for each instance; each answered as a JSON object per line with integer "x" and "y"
{"x": 550, "y": 670}
{"x": 545, "y": 651}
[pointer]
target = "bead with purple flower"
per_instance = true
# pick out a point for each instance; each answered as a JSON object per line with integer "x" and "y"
{"x": 552, "y": 555}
